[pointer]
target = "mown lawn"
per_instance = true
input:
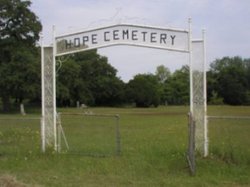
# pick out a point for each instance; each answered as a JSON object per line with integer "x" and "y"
{"x": 153, "y": 148}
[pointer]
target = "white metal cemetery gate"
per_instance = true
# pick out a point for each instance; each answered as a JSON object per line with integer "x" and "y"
{"x": 134, "y": 35}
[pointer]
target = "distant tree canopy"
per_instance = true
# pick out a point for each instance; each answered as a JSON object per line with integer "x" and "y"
{"x": 176, "y": 87}
{"x": 228, "y": 79}
{"x": 162, "y": 73}
{"x": 144, "y": 90}
{"x": 19, "y": 65}
{"x": 87, "y": 77}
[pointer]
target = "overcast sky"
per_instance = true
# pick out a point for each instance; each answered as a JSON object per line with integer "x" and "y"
{"x": 226, "y": 23}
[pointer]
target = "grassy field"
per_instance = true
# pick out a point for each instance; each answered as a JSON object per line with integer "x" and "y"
{"x": 153, "y": 148}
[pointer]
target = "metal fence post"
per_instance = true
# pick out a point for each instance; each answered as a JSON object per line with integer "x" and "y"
{"x": 191, "y": 144}
{"x": 118, "y": 135}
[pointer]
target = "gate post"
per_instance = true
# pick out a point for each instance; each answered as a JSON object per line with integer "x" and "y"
{"x": 48, "y": 126}
{"x": 198, "y": 94}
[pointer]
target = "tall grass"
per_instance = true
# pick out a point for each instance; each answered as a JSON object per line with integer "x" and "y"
{"x": 230, "y": 140}
{"x": 154, "y": 144}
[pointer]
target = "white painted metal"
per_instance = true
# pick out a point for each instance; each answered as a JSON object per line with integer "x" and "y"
{"x": 43, "y": 98}
{"x": 49, "y": 123}
{"x": 199, "y": 94}
{"x": 123, "y": 34}
{"x": 206, "y": 143}
{"x": 54, "y": 87}
{"x": 133, "y": 25}
{"x": 190, "y": 65}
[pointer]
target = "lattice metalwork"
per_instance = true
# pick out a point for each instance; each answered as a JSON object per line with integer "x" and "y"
{"x": 199, "y": 95}
{"x": 198, "y": 111}
{"x": 48, "y": 128}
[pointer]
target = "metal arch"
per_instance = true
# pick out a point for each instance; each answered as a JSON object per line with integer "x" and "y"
{"x": 117, "y": 25}
{"x": 143, "y": 38}
{"x": 59, "y": 62}
{"x": 51, "y": 112}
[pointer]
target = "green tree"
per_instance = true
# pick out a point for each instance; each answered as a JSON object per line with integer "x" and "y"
{"x": 162, "y": 73}
{"x": 67, "y": 82}
{"x": 231, "y": 82}
{"x": 212, "y": 90}
{"x": 89, "y": 78}
{"x": 247, "y": 64}
{"x": 177, "y": 87}
{"x": 19, "y": 32}
{"x": 144, "y": 91}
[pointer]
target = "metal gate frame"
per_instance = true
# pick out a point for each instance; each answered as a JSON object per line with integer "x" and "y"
{"x": 48, "y": 58}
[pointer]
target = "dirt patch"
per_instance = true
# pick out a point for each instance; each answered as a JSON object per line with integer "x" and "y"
{"x": 10, "y": 181}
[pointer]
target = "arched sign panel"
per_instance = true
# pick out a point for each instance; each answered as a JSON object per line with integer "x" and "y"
{"x": 146, "y": 36}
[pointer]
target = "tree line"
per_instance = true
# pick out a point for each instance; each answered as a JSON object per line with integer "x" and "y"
{"x": 87, "y": 77}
